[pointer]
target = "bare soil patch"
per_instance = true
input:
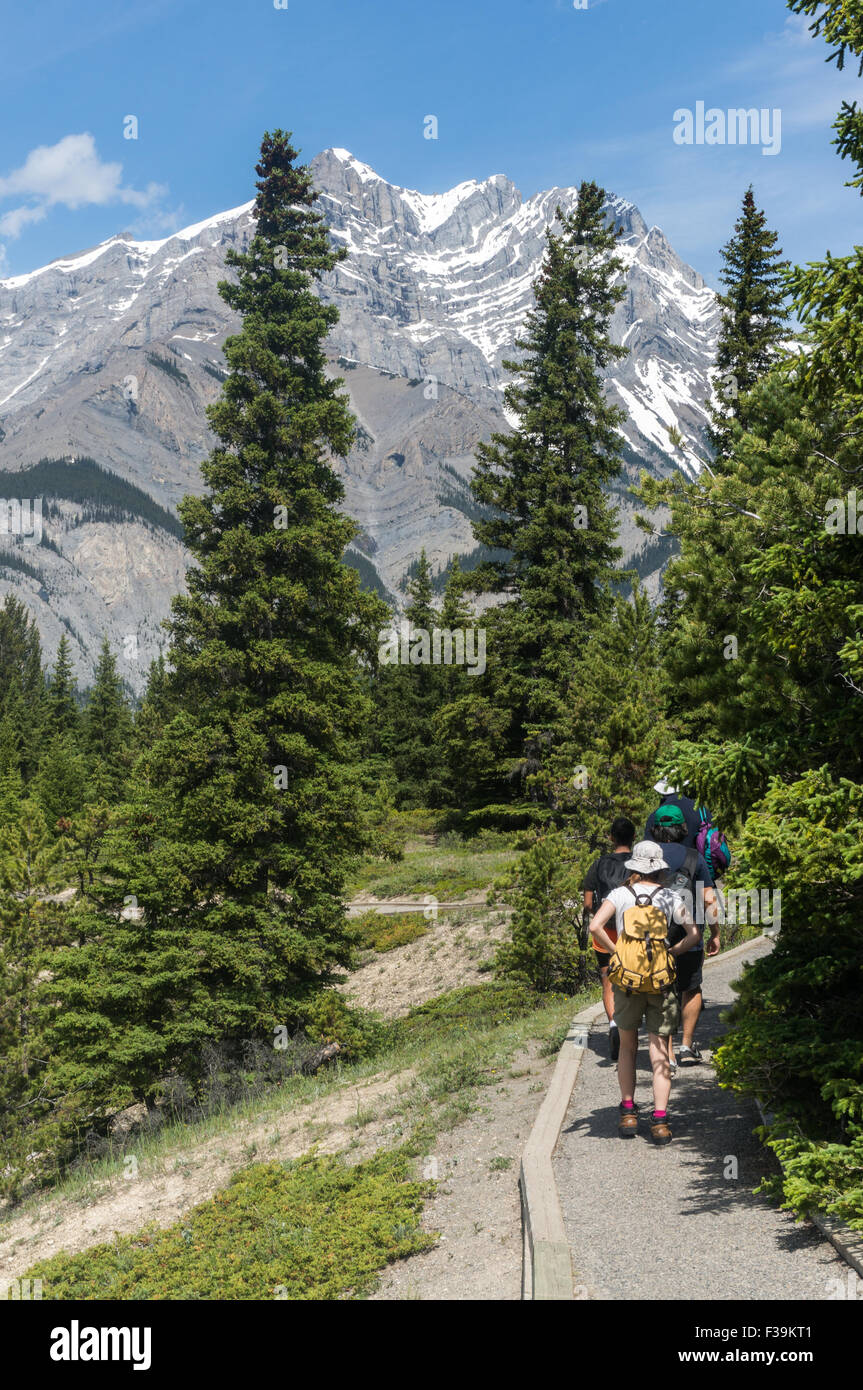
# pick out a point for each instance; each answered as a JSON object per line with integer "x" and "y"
{"x": 448, "y": 957}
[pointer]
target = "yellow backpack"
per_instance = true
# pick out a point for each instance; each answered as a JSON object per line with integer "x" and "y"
{"x": 642, "y": 962}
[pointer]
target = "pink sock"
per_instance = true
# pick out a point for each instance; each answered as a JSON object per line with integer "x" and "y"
{"x": 660, "y": 1114}
{"x": 628, "y": 1105}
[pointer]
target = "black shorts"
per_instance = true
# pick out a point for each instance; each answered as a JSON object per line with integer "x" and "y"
{"x": 689, "y": 967}
{"x": 602, "y": 959}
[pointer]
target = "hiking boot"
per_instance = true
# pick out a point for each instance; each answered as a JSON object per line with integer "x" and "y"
{"x": 688, "y": 1056}
{"x": 613, "y": 1041}
{"x": 627, "y": 1125}
{"x": 660, "y": 1130}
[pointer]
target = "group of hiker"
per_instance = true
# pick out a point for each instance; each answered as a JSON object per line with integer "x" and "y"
{"x": 649, "y": 903}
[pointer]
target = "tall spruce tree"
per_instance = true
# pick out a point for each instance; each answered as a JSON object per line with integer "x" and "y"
{"x": 107, "y": 730}
{"x": 246, "y": 812}
{"x": 753, "y": 317}
{"x": 545, "y": 482}
{"x": 62, "y": 714}
{"x": 408, "y": 695}
{"x": 22, "y": 685}
{"x": 614, "y": 733}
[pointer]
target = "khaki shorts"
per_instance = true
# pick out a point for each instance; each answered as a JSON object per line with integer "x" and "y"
{"x": 661, "y": 1012}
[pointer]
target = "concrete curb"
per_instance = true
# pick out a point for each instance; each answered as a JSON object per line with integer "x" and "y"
{"x": 546, "y": 1255}
{"x": 847, "y": 1243}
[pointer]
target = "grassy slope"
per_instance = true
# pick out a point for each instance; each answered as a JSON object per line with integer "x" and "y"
{"x": 444, "y": 873}
{"x": 234, "y": 1245}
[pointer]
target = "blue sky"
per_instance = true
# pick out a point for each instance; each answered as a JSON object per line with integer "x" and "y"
{"x": 542, "y": 91}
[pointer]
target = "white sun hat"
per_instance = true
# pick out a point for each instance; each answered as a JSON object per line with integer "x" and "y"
{"x": 646, "y": 858}
{"x": 666, "y": 788}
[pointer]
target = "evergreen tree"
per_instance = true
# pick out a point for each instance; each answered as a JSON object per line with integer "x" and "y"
{"x": 29, "y": 870}
{"x": 545, "y": 483}
{"x": 455, "y": 610}
{"x": 614, "y": 734}
{"x": 543, "y": 946}
{"x": 753, "y": 316}
{"x": 22, "y": 685}
{"x": 246, "y": 811}
{"x": 158, "y": 707}
{"x": 61, "y": 783}
{"x": 62, "y": 714}
{"x": 107, "y": 729}
{"x": 407, "y": 697}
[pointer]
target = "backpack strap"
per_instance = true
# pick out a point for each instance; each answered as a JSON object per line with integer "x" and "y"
{"x": 690, "y": 863}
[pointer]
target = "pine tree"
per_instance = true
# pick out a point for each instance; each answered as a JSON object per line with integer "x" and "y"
{"x": 157, "y": 707}
{"x": 407, "y": 697}
{"x": 753, "y": 317}
{"x": 107, "y": 729}
{"x": 614, "y": 734}
{"x": 455, "y": 610}
{"x": 22, "y": 685}
{"x": 61, "y": 783}
{"x": 245, "y": 813}
{"x": 545, "y": 482}
{"x": 29, "y": 927}
{"x": 61, "y": 703}
{"x": 543, "y": 947}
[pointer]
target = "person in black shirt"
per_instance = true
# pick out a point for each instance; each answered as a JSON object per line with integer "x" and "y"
{"x": 604, "y": 874}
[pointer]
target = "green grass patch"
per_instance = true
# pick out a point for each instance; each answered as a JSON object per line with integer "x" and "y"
{"x": 311, "y": 1229}
{"x": 444, "y": 873}
{"x": 384, "y": 933}
{"x": 470, "y": 1010}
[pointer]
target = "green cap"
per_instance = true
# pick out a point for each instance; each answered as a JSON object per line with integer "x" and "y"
{"x": 669, "y": 815}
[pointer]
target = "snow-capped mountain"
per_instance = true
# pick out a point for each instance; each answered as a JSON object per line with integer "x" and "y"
{"x": 112, "y": 355}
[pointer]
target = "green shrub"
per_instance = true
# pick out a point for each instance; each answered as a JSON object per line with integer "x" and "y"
{"x": 329, "y": 1018}
{"x": 544, "y": 948}
{"x": 796, "y": 1034}
{"x": 312, "y": 1229}
{"x": 380, "y": 932}
{"x": 473, "y": 1007}
{"x": 506, "y": 817}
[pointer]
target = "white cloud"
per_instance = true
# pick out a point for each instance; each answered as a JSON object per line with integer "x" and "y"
{"x": 70, "y": 174}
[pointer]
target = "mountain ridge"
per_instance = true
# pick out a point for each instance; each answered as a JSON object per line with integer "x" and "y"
{"x": 114, "y": 353}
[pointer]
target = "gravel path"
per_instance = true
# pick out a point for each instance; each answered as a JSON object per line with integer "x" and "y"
{"x": 668, "y": 1223}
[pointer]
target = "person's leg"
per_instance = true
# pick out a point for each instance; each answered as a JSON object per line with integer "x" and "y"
{"x": 691, "y": 1003}
{"x": 626, "y": 1063}
{"x": 662, "y": 1018}
{"x": 661, "y": 1072}
{"x": 628, "y": 1012}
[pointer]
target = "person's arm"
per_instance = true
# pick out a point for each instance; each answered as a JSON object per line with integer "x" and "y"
{"x": 692, "y": 937}
{"x": 711, "y": 917}
{"x": 601, "y": 940}
{"x": 588, "y": 899}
